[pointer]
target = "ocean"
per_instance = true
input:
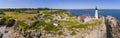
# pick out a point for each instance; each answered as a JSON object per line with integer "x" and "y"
{"x": 104, "y": 12}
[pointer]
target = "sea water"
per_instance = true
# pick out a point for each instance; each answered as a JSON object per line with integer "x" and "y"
{"x": 104, "y": 12}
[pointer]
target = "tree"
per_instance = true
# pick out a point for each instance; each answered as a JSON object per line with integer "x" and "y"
{"x": 43, "y": 9}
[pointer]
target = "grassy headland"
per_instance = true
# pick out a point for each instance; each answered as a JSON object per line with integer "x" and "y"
{"x": 25, "y": 20}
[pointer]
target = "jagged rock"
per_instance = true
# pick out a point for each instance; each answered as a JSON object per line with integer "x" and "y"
{"x": 113, "y": 27}
{"x": 1, "y": 35}
{"x": 111, "y": 30}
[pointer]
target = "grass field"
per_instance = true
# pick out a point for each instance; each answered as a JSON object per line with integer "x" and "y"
{"x": 75, "y": 24}
{"x": 19, "y": 16}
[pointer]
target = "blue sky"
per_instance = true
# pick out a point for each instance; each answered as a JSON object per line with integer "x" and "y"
{"x": 63, "y": 4}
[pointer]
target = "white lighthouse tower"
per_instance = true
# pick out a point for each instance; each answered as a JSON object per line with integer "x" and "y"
{"x": 96, "y": 13}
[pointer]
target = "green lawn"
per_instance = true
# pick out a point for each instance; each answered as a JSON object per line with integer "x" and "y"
{"x": 19, "y": 16}
{"x": 72, "y": 24}
{"x": 75, "y": 24}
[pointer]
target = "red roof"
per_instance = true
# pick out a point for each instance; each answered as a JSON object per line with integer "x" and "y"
{"x": 84, "y": 16}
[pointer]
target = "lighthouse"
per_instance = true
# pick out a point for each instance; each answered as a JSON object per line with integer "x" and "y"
{"x": 96, "y": 13}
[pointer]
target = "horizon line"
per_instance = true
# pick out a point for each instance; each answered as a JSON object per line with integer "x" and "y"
{"x": 52, "y": 8}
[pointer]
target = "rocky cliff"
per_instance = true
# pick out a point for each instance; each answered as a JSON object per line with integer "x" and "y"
{"x": 113, "y": 27}
{"x": 96, "y": 31}
{"x": 109, "y": 28}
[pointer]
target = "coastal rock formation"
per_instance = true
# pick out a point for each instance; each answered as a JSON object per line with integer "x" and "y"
{"x": 98, "y": 31}
{"x": 109, "y": 28}
{"x": 113, "y": 27}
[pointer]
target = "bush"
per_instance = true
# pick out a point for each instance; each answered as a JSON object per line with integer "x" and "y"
{"x": 60, "y": 33}
{"x": 1, "y": 12}
{"x": 23, "y": 25}
{"x": 37, "y": 24}
{"x": 50, "y": 27}
{"x": 73, "y": 33}
{"x": 3, "y": 21}
{"x": 10, "y": 22}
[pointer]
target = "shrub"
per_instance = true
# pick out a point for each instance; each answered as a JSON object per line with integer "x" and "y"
{"x": 37, "y": 24}
{"x": 60, "y": 33}
{"x": 23, "y": 25}
{"x": 73, "y": 33}
{"x": 10, "y": 22}
{"x": 1, "y": 12}
{"x": 3, "y": 21}
{"x": 50, "y": 27}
